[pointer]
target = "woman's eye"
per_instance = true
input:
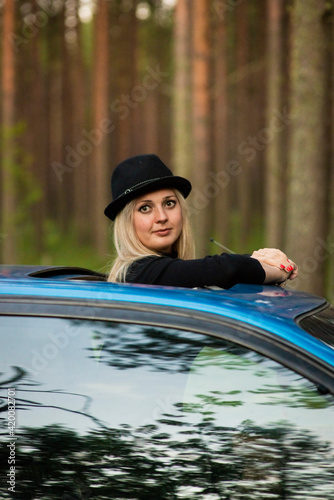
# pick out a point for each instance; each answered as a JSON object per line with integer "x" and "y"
{"x": 144, "y": 208}
{"x": 170, "y": 203}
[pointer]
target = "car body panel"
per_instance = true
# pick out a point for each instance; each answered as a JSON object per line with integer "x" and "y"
{"x": 269, "y": 308}
{"x": 135, "y": 391}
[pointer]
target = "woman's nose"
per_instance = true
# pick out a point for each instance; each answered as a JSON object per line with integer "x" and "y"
{"x": 161, "y": 214}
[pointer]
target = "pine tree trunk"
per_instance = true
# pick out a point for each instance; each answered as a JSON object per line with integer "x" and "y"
{"x": 244, "y": 121}
{"x": 331, "y": 191}
{"x": 221, "y": 178}
{"x": 275, "y": 172}
{"x": 126, "y": 105}
{"x": 8, "y": 201}
{"x": 56, "y": 175}
{"x": 66, "y": 198}
{"x": 181, "y": 134}
{"x": 37, "y": 127}
{"x": 149, "y": 129}
{"x": 258, "y": 89}
{"x": 201, "y": 200}
{"x": 100, "y": 164}
{"x": 81, "y": 135}
{"x": 306, "y": 217}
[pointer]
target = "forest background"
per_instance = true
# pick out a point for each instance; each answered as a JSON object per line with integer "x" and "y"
{"x": 236, "y": 95}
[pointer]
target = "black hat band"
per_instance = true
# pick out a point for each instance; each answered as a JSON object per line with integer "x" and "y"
{"x": 129, "y": 190}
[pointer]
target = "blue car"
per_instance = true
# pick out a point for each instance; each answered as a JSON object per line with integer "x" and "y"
{"x": 119, "y": 391}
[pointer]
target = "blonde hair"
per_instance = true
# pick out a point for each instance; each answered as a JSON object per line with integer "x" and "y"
{"x": 129, "y": 248}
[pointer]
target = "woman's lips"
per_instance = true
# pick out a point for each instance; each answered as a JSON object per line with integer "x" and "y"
{"x": 162, "y": 232}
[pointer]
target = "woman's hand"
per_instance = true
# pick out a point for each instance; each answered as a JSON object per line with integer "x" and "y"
{"x": 277, "y": 266}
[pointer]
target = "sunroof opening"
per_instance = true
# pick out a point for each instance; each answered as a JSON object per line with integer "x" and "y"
{"x": 69, "y": 273}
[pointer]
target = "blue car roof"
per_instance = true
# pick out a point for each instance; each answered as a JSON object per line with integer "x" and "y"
{"x": 80, "y": 283}
{"x": 267, "y": 307}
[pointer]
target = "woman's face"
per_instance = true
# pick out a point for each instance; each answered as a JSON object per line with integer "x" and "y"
{"x": 157, "y": 220}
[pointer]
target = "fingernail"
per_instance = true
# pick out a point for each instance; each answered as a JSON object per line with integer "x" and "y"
{"x": 288, "y": 260}
{"x": 282, "y": 267}
{"x": 290, "y": 268}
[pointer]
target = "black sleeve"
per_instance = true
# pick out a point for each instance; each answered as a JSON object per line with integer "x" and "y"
{"x": 223, "y": 270}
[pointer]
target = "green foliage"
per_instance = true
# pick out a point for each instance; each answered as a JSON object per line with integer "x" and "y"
{"x": 236, "y": 241}
{"x": 46, "y": 244}
{"x": 22, "y": 184}
{"x": 27, "y": 187}
{"x": 10, "y": 133}
{"x": 61, "y": 248}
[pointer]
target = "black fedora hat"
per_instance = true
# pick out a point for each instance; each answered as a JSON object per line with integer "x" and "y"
{"x": 138, "y": 175}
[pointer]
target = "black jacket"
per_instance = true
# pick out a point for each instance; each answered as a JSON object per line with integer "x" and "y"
{"x": 223, "y": 270}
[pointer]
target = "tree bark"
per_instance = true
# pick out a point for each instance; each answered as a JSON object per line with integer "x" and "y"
{"x": 127, "y": 102}
{"x": 100, "y": 161}
{"x": 221, "y": 178}
{"x": 244, "y": 121}
{"x": 66, "y": 199}
{"x": 181, "y": 134}
{"x": 80, "y": 136}
{"x": 258, "y": 88}
{"x": 8, "y": 198}
{"x": 331, "y": 191}
{"x": 37, "y": 127}
{"x": 54, "y": 94}
{"x": 275, "y": 172}
{"x": 306, "y": 208}
{"x": 201, "y": 201}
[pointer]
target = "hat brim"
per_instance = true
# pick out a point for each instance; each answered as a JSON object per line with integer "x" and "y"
{"x": 179, "y": 183}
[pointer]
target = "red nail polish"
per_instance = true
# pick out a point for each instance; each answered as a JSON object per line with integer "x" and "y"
{"x": 282, "y": 267}
{"x": 290, "y": 268}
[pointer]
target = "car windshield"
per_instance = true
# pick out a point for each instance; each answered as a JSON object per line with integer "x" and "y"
{"x": 321, "y": 325}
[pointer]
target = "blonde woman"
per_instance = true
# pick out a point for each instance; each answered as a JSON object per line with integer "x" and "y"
{"x": 153, "y": 239}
